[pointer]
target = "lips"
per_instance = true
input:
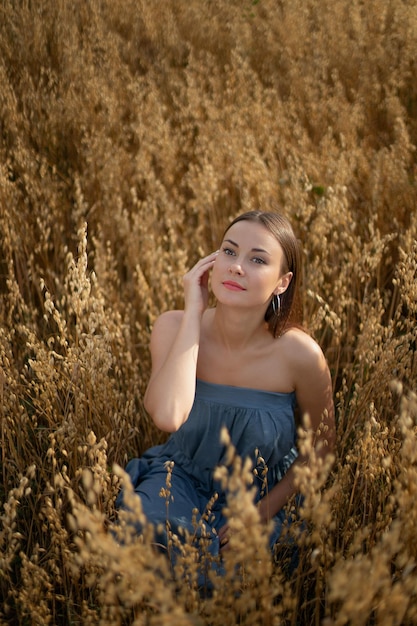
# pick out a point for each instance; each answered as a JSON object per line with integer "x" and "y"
{"x": 230, "y": 284}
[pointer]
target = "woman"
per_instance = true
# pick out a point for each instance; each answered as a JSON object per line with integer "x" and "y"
{"x": 243, "y": 364}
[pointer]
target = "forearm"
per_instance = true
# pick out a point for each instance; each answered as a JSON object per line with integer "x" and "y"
{"x": 278, "y": 496}
{"x": 170, "y": 393}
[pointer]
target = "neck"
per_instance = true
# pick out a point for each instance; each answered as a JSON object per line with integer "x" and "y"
{"x": 236, "y": 329}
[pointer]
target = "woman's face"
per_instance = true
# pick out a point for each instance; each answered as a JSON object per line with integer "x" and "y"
{"x": 248, "y": 270}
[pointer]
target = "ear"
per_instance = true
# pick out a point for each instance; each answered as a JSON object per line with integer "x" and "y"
{"x": 283, "y": 283}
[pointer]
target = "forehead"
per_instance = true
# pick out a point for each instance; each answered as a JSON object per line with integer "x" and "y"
{"x": 253, "y": 235}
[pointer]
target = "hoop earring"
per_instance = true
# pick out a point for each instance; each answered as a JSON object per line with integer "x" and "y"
{"x": 276, "y": 304}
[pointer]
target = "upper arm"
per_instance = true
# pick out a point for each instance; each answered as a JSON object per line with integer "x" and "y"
{"x": 163, "y": 334}
{"x": 313, "y": 387}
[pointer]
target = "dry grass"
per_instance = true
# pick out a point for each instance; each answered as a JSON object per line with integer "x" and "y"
{"x": 130, "y": 133}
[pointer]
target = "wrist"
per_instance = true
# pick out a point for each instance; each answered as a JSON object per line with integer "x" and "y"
{"x": 263, "y": 510}
{"x": 192, "y": 315}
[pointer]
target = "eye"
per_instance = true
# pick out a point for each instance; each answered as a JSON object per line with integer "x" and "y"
{"x": 228, "y": 251}
{"x": 258, "y": 259}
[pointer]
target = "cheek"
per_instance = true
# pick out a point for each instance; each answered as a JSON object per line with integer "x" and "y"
{"x": 217, "y": 266}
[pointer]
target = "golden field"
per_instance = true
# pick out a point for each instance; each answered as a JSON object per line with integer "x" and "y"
{"x": 130, "y": 134}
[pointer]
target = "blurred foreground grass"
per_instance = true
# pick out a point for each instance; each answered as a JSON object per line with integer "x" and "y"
{"x": 130, "y": 134}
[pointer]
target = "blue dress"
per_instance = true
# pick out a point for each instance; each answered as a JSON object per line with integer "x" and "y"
{"x": 260, "y": 424}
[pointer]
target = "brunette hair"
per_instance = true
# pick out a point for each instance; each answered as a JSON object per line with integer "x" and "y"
{"x": 279, "y": 226}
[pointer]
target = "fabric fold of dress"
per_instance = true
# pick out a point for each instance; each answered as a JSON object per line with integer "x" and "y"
{"x": 259, "y": 423}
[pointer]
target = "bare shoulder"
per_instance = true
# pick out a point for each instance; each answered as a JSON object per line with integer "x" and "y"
{"x": 301, "y": 349}
{"x": 170, "y": 320}
{"x": 165, "y": 328}
{"x": 305, "y": 362}
{"x": 311, "y": 380}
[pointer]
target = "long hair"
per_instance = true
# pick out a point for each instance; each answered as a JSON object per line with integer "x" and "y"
{"x": 287, "y": 314}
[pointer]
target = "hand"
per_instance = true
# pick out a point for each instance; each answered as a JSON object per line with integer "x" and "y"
{"x": 196, "y": 283}
{"x": 224, "y": 535}
{"x": 263, "y": 509}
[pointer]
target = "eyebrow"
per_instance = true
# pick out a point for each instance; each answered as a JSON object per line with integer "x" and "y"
{"x": 253, "y": 249}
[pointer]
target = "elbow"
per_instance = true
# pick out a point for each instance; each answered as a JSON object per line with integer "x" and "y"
{"x": 166, "y": 419}
{"x": 166, "y": 425}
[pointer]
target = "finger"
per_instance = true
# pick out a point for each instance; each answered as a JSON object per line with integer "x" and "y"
{"x": 204, "y": 279}
{"x": 210, "y": 258}
{"x": 204, "y": 265}
{"x": 223, "y": 531}
{"x": 224, "y": 546}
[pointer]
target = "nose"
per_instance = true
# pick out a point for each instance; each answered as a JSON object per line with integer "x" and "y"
{"x": 236, "y": 268}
